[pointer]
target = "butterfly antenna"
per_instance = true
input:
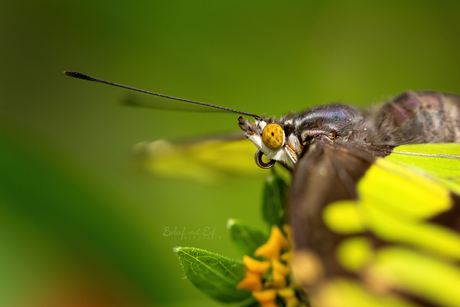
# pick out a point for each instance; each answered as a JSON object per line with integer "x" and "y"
{"x": 89, "y": 78}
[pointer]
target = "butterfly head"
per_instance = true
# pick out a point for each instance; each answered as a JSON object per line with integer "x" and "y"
{"x": 273, "y": 140}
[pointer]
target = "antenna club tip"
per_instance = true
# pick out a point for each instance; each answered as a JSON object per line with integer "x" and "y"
{"x": 77, "y": 75}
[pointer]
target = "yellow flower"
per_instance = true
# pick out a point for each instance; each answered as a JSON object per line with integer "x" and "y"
{"x": 266, "y": 298}
{"x": 279, "y": 280}
{"x": 288, "y": 295}
{"x": 255, "y": 266}
{"x": 279, "y": 273}
{"x": 274, "y": 245}
{"x": 280, "y": 268}
{"x": 277, "y": 284}
{"x": 286, "y": 257}
{"x": 288, "y": 232}
{"x": 252, "y": 281}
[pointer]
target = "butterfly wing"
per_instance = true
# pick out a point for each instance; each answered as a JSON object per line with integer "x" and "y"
{"x": 371, "y": 231}
{"x": 205, "y": 159}
{"x": 441, "y": 162}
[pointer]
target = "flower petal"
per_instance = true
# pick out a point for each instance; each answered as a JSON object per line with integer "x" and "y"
{"x": 251, "y": 281}
{"x": 274, "y": 245}
{"x": 265, "y": 296}
{"x": 255, "y": 266}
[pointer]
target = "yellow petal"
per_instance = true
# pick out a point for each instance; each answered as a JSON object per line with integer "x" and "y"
{"x": 279, "y": 236}
{"x": 286, "y": 293}
{"x": 256, "y": 266}
{"x": 292, "y": 302}
{"x": 274, "y": 245}
{"x": 286, "y": 257}
{"x": 252, "y": 281}
{"x": 268, "y": 250}
{"x": 279, "y": 280}
{"x": 265, "y": 296}
{"x": 280, "y": 268}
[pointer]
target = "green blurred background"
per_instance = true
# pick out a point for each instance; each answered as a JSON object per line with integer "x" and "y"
{"x": 79, "y": 224}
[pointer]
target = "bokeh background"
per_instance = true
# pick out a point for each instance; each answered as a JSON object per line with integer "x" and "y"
{"x": 80, "y": 225}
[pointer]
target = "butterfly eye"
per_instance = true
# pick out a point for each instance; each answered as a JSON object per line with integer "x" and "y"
{"x": 273, "y": 136}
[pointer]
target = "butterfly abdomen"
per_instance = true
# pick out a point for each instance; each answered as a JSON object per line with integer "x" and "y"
{"x": 419, "y": 117}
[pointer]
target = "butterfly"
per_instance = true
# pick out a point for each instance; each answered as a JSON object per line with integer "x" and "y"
{"x": 363, "y": 201}
{"x": 374, "y": 200}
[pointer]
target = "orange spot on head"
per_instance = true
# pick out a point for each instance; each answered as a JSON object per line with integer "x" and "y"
{"x": 272, "y": 136}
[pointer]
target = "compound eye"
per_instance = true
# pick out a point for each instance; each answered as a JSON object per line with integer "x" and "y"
{"x": 273, "y": 136}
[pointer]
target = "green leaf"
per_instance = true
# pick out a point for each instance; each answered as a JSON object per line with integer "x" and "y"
{"x": 245, "y": 237}
{"x": 274, "y": 198}
{"x": 213, "y": 274}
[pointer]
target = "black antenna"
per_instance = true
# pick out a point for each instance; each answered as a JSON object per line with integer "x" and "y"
{"x": 86, "y": 77}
